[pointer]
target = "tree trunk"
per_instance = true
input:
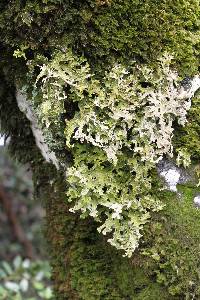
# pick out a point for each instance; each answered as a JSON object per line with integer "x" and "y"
{"x": 84, "y": 265}
{"x": 106, "y": 33}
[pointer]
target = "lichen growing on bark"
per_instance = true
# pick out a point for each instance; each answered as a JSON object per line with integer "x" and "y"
{"x": 119, "y": 132}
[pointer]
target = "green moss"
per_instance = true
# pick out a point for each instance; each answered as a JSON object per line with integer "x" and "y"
{"x": 135, "y": 280}
{"x": 188, "y": 137}
{"x": 88, "y": 268}
{"x": 105, "y": 30}
{"x": 175, "y": 245}
{"x": 91, "y": 266}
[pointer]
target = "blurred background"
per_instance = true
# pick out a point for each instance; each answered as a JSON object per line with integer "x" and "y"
{"x": 24, "y": 267}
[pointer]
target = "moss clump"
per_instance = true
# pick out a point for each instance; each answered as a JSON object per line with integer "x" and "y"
{"x": 175, "y": 245}
{"x": 88, "y": 268}
{"x": 105, "y": 30}
{"x": 136, "y": 280}
{"x": 91, "y": 265}
{"x": 187, "y": 138}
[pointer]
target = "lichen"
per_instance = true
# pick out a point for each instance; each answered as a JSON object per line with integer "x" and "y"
{"x": 121, "y": 129}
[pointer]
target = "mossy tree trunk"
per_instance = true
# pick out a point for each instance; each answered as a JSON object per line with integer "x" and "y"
{"x": 84, "y": 265}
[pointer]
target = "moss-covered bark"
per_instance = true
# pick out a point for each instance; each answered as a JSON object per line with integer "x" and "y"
{"x": 84, "y": 265}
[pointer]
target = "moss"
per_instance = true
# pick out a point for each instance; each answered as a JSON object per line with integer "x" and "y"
{"x": 175, "y": 245}
{"x": 188, "y": 137}
{"x": 135, "y": 280}
{"x": 105, "y": 30}
{"x": 91, "y": 266}
{"x": 59, "y": 233}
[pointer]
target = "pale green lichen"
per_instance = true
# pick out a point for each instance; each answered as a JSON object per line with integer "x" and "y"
{"x": 122, "y": 128}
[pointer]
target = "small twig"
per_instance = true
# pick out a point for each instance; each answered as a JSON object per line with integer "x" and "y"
{"x": 19, "y": 233}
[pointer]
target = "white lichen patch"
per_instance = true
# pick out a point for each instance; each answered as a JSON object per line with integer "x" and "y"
{"x": 25, "y": 107}
{"x": 192, "y": 86}
{"x": 173, "y": 174}
{"x": 171, "y": 177}
{"x": 197, "y": 201}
